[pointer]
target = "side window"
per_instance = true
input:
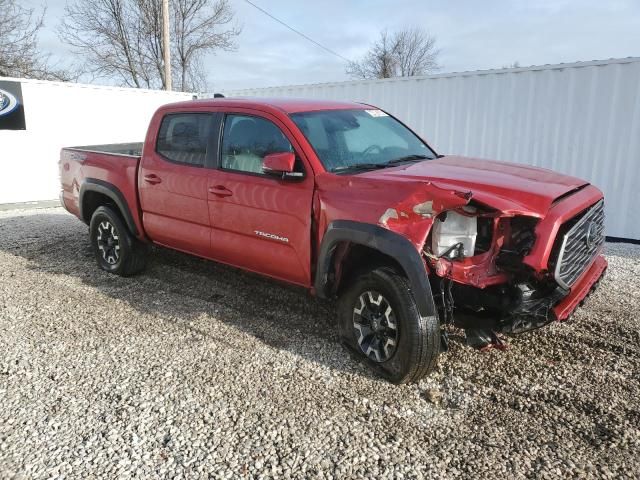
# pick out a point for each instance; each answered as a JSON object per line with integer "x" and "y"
{"x": 183, "y": 138}
{"x": 247, "y": 140}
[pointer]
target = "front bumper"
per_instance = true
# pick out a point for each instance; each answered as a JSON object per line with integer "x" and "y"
{"x": 580, "y": 289}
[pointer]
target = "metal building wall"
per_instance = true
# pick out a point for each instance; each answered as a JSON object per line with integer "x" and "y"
{"x": 582, "y": 119}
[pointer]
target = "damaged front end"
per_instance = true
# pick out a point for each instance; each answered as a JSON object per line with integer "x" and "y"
{"x": 479, "y": 280}
{"x": 481, "y": 267}
{"x": 509, "y": 252}
{"x": 506, "y": 272}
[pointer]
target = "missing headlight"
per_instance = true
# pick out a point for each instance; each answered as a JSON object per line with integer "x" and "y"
{"x": 518, "y": 245}
{"x": 485, "y": 234}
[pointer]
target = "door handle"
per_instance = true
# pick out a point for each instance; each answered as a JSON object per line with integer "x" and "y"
{"x": 220, "y": 190}
{"x": 152, "y": 179}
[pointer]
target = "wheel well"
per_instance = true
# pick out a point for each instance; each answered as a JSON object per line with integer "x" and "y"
{"x": 92, "y": 200}
{"x": 375, "y": 245}
{"x": 351, "y": 258}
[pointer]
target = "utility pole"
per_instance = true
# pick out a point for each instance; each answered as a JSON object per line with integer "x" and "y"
{"x": 166, "y": 46}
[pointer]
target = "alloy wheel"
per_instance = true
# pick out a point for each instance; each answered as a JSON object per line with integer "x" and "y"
{"x": 375, "y": 326}
{"x": 108, "y": 242}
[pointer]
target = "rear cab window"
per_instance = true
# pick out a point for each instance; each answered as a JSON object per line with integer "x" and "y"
{"x": 183, "y": 138}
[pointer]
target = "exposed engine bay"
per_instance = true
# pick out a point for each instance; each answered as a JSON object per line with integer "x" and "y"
{"x": 481, "y": 281}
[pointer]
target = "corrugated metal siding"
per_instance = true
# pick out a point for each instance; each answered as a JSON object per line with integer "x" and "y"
{"x": 582, "y": 119}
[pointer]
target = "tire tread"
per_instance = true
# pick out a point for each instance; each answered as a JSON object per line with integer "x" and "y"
{"x": 134, "y": 252}
{"x": 425, "y": 335}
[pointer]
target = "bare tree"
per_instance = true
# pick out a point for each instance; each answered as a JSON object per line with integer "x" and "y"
{"x": 379, "y": 62}
{"x": 195, "y": 33}
{"x": 19, "y": 53}
{"x": 416, "y": 52}
{"x": 122, "y": 39}
{"x": 404, "y": 53}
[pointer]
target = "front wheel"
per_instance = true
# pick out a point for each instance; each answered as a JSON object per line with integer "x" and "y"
{"x": 115, "y": 249}
{"x": 379, "y": 319}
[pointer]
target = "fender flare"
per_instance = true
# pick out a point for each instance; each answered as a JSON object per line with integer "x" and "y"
{"x": 111, "y": 191}
{"x": 385, "y": 241}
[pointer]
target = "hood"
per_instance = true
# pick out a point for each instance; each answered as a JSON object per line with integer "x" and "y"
{"x": 509, "y": 187}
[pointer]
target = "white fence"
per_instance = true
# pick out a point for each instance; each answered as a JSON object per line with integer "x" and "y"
{"x": 67, "y": 114}
{"x": 581, "y": 119}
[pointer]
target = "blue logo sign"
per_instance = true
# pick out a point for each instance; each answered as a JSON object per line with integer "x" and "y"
{"x": 8, "y": 103}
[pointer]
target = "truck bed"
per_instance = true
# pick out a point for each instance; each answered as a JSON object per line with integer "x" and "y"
{"x": 109, "y": 170}
{"x": 133, "y": 149}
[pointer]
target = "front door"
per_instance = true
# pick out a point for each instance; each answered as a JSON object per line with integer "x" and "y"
{"x": 173, "y": 182}
{"x": 260, "y": 222}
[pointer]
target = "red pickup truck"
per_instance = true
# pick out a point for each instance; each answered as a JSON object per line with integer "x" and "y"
{"x": 346, "y": 201}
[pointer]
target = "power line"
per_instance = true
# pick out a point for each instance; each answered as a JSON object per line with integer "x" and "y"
{"x": 297, "y": 31}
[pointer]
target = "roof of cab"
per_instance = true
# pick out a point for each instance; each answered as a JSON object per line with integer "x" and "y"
{"x": 287, "y": 105}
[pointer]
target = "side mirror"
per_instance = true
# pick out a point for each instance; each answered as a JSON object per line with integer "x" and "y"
{"x": 280, "y": 164}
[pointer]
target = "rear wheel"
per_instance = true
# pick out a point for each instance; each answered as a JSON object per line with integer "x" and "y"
{"x": 115, "y": 249}
{"x": 379, "y": 320}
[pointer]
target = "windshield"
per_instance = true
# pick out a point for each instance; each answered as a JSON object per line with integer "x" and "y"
{"x": 352, "y": 140}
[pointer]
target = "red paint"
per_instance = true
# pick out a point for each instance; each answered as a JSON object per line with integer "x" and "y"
{"x": 120, "y": 171}
{"x": 581, "y": 289}
{"x": 509, "y": 187}
{"x": 280, "y": 162}
{"x": 555, "y": 217}
{"x": 264, "y": 223}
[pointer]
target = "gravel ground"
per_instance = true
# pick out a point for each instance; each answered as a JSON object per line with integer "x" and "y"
{"x": 193, "y": 370}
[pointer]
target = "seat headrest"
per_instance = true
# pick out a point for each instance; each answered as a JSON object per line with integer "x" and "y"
{"x": 259, "y": 136}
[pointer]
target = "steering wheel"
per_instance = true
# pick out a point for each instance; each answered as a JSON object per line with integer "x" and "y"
{"x": 369, "y": 150}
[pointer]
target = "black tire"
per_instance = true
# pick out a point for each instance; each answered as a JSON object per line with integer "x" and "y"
{"x": 416, "y": 339}
{"x": 123, "y": 255}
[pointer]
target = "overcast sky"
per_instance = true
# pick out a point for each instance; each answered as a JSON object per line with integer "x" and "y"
{"x": 471, "y": 34}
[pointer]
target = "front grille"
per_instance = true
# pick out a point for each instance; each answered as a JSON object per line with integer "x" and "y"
{"x": 579, "y": 245}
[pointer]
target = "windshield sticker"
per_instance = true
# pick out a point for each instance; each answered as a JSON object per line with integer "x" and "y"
{"x": 376, "y": 113}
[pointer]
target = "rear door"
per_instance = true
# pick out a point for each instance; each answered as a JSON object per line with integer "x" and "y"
{"x": 173, "y": 181}
{"x": 260, "y": 222}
